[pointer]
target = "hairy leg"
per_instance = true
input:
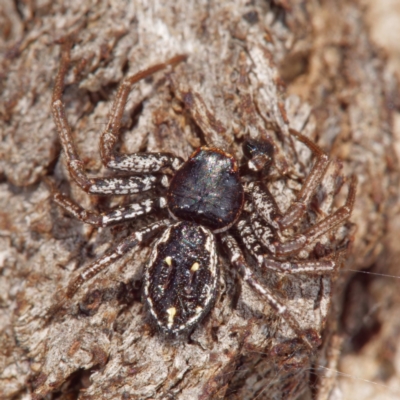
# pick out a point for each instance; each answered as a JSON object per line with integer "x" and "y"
{"x": 139, "y": 163}
{"x": 310, "y": 338}
{"x": 116, "y": 216}
{"x": 266, "y": 261}
{"x": 267, "y": 226}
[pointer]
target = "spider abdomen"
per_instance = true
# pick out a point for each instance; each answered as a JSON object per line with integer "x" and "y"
{"x": 181, "y": 277}
{"x": 207, "y": 190}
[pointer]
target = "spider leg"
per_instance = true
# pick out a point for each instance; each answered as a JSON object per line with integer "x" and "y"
{"x": 266, "y": 208}
{"x": 332, "y": 221}
{"x": 135, "y": 162}
{"x": 238, "y": 261}
{"x": 297, "y": 209}
{"x": 102, "y": 263}
{"x": 119, "y": 215}
{"x": 119, "y": 185}
{"x": 312, "y": 267}
{"x": 260, "y": 154}
{"x": 112, "y": 255}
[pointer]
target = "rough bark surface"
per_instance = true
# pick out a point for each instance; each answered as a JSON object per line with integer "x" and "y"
{"x": 260, "y": 67}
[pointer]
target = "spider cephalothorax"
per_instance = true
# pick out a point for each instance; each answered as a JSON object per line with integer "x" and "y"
{"x": 207, "y": 190}
{"x": 206, "y": 202}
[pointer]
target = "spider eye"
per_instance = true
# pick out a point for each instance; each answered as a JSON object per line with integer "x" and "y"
{"x": 248, "y": 149}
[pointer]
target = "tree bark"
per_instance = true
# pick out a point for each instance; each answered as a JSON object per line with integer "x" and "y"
{"x": 259, "y": 68}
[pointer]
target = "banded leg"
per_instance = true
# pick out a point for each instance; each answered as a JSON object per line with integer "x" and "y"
{"x": 119, "y": 215}
{"x": 112, "y": 255}
{"x": 260, "y": 155}
{"x": 238, "y": 261}
{"x": 266, "y": 208}
{"x": 266, "y": 261}
{"x": 136, "y": 162}
{"x": 327, "y": 224}
{"x": 102, "y": 263}
{"x": 120, "y": 185}
{"x": 298, "y": 208}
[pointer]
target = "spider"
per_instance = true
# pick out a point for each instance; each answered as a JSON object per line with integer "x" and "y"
{"x": 206, "y": 201}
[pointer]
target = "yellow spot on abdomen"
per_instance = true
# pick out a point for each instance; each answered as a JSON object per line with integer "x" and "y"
{"x": 168, "y": 260}
{"x": 171, "y": 314}
{"x": 195, "y": 267}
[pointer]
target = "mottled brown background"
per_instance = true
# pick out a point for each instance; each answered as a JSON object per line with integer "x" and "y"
{"x": 326, "y": 67}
